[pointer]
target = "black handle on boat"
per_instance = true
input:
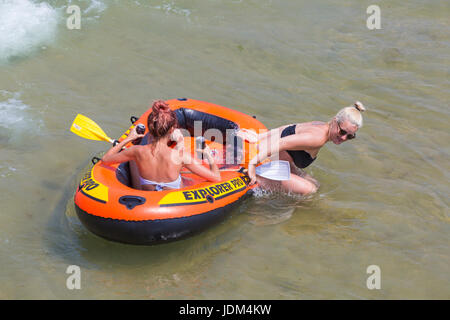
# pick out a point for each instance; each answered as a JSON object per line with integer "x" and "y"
{"x": 131, "y": 201}
{"x": 133, "y": 119}
{"x": 94, "y": 160}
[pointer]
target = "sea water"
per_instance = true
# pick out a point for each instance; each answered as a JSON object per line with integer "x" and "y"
{"x": 383, "y": 198}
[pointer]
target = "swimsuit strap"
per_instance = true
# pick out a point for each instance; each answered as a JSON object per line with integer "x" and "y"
{"x": 176, "y": 184}
{"x": 301, "y": 158}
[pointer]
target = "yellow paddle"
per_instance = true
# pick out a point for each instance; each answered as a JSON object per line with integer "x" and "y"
{"x": 88, "y": 129}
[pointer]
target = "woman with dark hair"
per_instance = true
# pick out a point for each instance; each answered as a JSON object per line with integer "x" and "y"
{"x": 155, "y": 166}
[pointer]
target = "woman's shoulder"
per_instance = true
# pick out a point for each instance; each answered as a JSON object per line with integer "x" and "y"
{"x": 312, "y": 124}
{"x": 299, "y": 126}
{"x": 139, "y": 151}
{"x": 317, "y": 131}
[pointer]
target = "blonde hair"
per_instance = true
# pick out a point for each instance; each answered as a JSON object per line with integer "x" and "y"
{"x": 352, "y": 113}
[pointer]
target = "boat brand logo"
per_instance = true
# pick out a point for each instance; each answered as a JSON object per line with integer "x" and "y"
{"x": 204, "y": 195}
{"x": 93, "y": 189}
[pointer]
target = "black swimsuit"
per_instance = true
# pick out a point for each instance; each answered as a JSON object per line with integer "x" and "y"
{"x": 301, "y": 158}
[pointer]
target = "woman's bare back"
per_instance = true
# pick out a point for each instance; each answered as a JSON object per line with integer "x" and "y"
{"x": 159, "y": 163}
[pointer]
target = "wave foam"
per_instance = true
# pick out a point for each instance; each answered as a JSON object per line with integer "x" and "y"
{"x": 95, "y": 6}
{"x": 170, "y": 7}
{"x": 15, "y": 115}
{"x": 25, "y": 26}
{"x": 12, "y": 110}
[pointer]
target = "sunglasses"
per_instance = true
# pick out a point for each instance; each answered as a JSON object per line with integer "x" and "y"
{"x": 343, "y": 133}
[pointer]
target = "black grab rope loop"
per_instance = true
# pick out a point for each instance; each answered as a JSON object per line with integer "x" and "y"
{"x": 95, "y": 160}
{"x": 133, "y": 119}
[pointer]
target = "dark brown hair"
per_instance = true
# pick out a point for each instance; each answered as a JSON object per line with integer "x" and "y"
{"x": 161, "y": 119}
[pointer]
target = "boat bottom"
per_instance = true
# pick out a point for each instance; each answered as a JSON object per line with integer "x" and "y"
{"x": 150, "y": 232}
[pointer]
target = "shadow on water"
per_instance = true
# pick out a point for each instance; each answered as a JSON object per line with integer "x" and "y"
{"x": 69, "y": 240}
{"x": 274, "y": 207}
{"x": 178, "y": 268}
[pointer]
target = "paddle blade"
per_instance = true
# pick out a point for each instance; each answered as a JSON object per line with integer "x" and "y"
{"x": 88, "y": 129}
{"x": 275, "y": 170}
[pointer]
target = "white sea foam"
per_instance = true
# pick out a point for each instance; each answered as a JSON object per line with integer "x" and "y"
{"x": 30, "y": 25}
{"x": 12, "y": 109}
{"x": 6, "y": 171}
{"x": 90, "y": 9}
{"x": 14, "y": 114}
{"x": 25, "y": 26}
{"x": 170, "y": 7}
{"x": 95, "y": 6}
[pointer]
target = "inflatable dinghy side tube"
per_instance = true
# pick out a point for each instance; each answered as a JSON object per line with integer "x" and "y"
{"x": 108, "y": 207}
{"x": 151, "y": 232}
{"x": 187, "y": 117}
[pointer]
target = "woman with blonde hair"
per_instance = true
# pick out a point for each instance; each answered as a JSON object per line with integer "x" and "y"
{"x": 300, "y": 143}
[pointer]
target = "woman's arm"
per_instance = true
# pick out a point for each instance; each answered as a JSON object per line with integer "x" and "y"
{"x": 302, "y": 141}
{"x": 212, "y": 174}
{"x": 114, "y": 155}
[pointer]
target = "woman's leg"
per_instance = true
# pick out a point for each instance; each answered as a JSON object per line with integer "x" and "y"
{"x": 299, "y": 185}
{"x": 295, "y": 184}
{"x": 302, "y": 174}
{"x": 300, "y": 180}
{"x": 311, "y": 179}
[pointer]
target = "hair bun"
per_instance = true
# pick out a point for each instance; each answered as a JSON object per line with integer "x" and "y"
{"x": 161, "y": 119}
{"x": 359, "y": 106}
{"x": 160, "y": 106}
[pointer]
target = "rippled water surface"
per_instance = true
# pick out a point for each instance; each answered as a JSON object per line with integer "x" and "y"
{"x": 383, "y": 198}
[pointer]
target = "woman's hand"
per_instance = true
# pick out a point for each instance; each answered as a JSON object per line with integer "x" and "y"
{"x": 213, "y": 174}
{"x": 133, "y": 135}
{"x": 177, "y": 136}
{"x": 248, "y": 135}
{"x": 114, "y": 155}
{"x": 207, "y": 152}
{"x": 251, "y": 174}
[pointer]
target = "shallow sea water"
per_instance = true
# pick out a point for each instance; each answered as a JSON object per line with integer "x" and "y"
{"x": 383, "y": 198}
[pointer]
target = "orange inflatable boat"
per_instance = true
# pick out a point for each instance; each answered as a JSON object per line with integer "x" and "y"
{"x": 108, "y": 207}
